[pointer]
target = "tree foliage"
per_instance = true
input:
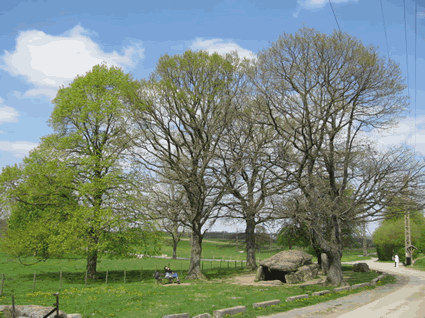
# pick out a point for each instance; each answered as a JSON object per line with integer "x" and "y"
{"x": 77, "y": 188}
{"x": 184, "y": 109}
{"x": 323, "y": 92}
{"x": 389, "y": 237}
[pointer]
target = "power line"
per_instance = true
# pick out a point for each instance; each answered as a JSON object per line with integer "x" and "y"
{"x": 385, "y": 29}
{"x": 416, "y": 38}
{"x": 334, "y": 15}
{"x": 407, "y": 57}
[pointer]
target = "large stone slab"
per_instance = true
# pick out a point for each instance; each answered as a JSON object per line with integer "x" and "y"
{"x": 260, "y": 274}
{"x": 34, "y": 311}
{"x": 287, "y": 261}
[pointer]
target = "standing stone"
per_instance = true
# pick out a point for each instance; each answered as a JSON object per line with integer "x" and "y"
{"x": 260, "y": 274}
{"x": 361, "y": 267}
{"x": 294, "y": 278}
{"x": 325, "y": 263}
{"x": 309, "y": 271}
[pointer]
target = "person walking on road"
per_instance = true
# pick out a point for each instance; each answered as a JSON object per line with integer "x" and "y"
{"x": 396, "y": 259}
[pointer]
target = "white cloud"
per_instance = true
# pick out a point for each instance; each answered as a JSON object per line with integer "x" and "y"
{"x": 221, "y": 47}
{"x": 48, "y": 61}
{"x": 404, "y": 133}
{"x": 18, "y": 149}
{"x": 316, "y": 5}
{"x": 7, "y": 114}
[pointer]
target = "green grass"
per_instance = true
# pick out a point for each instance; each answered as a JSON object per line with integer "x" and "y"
{"x": 222, "y": 249}
{"x": 140, "y": 296}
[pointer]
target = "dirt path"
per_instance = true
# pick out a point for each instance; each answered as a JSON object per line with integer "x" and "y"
{"x": 402, "y": 299}
{"x": 248, "y": 279}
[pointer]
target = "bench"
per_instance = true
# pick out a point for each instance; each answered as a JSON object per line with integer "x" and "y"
{"x": 160, "y": 277}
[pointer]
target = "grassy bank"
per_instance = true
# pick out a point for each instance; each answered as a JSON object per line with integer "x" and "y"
{"x": 145, "y": 297}
{"x": 139, "y": 295}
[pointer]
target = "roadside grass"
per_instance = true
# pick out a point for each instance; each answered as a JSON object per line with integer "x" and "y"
{"x": 132, "y": 299}
{"x": 141, "y": 295}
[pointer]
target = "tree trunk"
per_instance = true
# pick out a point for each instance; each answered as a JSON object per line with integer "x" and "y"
{"x": 251, "y": 263}
{"x": 334, "y": 275}
{"x": 175, "y": 242}
{"x": 91, "y": 263}
{"x": 195, "y": 257}
{"x": 175, "y": 251}
{"x": 364, "y": 240}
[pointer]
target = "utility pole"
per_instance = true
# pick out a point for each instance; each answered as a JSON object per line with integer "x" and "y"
{"x": 407, "y": 238}
{"x": 408, "y": 241}
{"x": 364, "y": 240}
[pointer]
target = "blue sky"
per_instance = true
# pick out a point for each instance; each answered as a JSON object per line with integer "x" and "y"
{"x": 46, "y": 44}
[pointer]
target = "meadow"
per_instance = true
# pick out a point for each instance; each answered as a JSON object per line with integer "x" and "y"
{"x": 140, "y": 296}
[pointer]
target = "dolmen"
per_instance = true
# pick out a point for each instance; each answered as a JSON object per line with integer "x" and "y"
{"x": 290, "y": 266}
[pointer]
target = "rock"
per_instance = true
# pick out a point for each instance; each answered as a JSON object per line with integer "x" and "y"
{"x": 287, "y": 261}
{"x": 306, "y": 272}
{"x": 288, "y": 267}
{"x": 294, "y": 277}
{"x": 324, "y": 264}
{"x": 309, "y": 271}
{"x": 361, "y": 267}
{"x": 260, "y": 274}
{"x": 33, "y": 311}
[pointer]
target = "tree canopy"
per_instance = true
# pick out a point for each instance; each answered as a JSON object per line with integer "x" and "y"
{"x": 322, "y": 94}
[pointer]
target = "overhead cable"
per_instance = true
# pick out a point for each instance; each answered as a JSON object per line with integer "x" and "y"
{"x": 385, "y": 29}
{"x": 334, "y": 15}
{"x": 407, "y": 56}
{"x": 416, "y": 38}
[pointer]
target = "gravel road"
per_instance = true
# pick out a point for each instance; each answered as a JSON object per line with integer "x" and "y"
{"x": 406, "y": 298}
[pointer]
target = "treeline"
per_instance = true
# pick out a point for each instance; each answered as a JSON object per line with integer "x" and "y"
{"x": 277, "y": 140}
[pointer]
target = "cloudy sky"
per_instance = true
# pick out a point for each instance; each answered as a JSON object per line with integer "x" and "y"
{"x": 46, "y": 44}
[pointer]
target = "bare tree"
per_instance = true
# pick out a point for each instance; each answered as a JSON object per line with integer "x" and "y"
{"x": 183, "y": 112}
{"x": 168, "y": 203}
{"x": 251, "y": 155}
{"x": 322, "y": 93}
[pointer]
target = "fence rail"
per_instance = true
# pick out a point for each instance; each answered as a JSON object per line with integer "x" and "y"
{"x": 75, "y": 278}
{"x": 55, "y": 305}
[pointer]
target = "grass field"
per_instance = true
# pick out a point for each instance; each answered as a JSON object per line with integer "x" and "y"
{"x": 139, "y": 296}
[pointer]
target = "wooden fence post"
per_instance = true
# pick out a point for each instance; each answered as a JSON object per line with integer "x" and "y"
{"x": 2, "y": 282}
{"x": 33, "y": 284}
{"x": 13, "y": 306}
{"x": 106, "y": 278}
{"x": 141, "y": 274}
{"x": 60, "y": 281}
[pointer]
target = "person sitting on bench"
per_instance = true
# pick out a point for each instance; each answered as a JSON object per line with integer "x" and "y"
{"x": 170, "y": 274}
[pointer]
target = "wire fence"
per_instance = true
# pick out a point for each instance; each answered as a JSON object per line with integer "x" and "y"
{"x": 105, "y": 277}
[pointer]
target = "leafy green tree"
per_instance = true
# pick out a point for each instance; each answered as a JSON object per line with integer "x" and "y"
{"x": 39, "y": 201}
{"x": 389, "y": 237}
{"x": 79, "y": 184}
